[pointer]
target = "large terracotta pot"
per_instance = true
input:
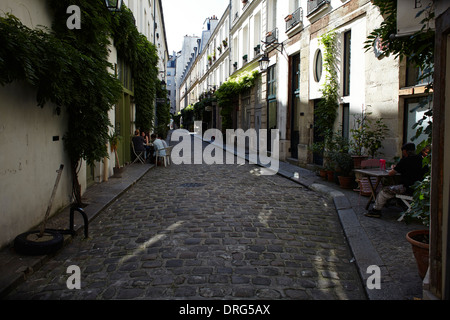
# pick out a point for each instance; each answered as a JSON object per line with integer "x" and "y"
{"x": 420, "y": 250}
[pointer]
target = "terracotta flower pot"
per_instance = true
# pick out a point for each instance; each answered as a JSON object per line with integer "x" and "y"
{"x": 345, "y": 182}
{"x": 323, "y": 174}
{"x": 420, "y": 250}
{"x": 330, "y": 176}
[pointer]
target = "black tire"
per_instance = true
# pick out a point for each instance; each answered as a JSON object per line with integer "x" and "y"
{"x": 23, "y": 244}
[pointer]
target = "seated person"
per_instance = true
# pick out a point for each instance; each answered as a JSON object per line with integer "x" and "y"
{"x": 139, "y": 143}
{"x": 148, "y": 148}
{"x": 159, "y": 145}
{"x": 411, "y": 169}
{"x": 162, "y": 140}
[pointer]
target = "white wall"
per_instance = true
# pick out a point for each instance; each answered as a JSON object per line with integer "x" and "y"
{"x": 29, "y": 159}
{"x": 29, "y": 155}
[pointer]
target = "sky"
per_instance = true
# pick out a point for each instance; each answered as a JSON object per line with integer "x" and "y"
{"x": 186, "y": 17}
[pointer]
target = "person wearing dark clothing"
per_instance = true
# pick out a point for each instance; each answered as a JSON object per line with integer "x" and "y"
{"x": 411, "y": 170}
{"x": 139, "y": 143}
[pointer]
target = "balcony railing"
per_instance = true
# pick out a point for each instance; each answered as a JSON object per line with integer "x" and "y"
{"x": 314, "y": 5}
{"x": 272, "y": 36}
{"x": 294, "y": 19}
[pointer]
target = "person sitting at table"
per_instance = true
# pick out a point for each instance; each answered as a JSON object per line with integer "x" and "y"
{"x": 147, "y": 146}
{"x": 159, "y": 145}
{"x": 139, "y": 143}
{"x": 411, "y": 170}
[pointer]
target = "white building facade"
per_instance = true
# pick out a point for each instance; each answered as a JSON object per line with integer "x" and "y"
{"x": 287, "y": 93}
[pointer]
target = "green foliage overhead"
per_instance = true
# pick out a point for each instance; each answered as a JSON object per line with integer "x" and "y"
{"x": 418, "y": 47}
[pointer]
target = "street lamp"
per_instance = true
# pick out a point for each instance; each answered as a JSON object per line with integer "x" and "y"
{"x": 113, "y": 5}
{"x": 263, "y": 63}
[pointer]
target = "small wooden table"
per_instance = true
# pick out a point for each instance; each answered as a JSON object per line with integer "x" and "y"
{"x": 378, "y": 174}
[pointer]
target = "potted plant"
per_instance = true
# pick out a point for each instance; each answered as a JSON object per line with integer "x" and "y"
{"x": 343, "y": 160}
{"x": 114, "y": 140}
{"x": 344, "y": 164}
{"x": 225, "y": 42}
{"x": 326, "y": 149}
{"x": 375, "y": 135}
{"x": 367, "y": 135}
{"x": 357, "y": 141}
{"x": 420, "y": 210}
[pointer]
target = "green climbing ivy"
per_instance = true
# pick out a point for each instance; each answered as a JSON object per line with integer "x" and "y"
{"x": 70, "y": 68}
{"x": 327, "y": 107}
{"x": 228, "y": 94}
{"x": 141, "y": 56}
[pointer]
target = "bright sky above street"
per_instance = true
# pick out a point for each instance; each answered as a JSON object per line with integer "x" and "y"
{"x": 186, "y": 17}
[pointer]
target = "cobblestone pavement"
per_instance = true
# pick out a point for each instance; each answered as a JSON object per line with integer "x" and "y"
{"x": 207, "y": 232}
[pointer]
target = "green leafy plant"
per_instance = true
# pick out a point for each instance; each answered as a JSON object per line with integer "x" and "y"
{"x": 367, "y": 134}
{"x": 70, "y": 68}
{"x": 327, "y": 107}
{"x": 142, "y": 58}
{"x": 114, "y": 140}
{"x": 187, "y": 116}
{"x": 420, "y": 207}
{"x": 340, "y": 154}
{"x": 228, "y": 93}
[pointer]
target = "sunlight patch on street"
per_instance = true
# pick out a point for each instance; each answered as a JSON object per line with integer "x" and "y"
{"x": 151, "y": 241}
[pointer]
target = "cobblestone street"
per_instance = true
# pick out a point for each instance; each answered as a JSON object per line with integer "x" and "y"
{"x": 207, "y": 231}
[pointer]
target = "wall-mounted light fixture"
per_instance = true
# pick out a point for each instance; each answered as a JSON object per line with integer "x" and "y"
{"x": 113, "y": 5}
{"x": 263, "y": 63}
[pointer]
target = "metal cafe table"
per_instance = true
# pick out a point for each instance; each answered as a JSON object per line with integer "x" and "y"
{"x": 378, "y": 174}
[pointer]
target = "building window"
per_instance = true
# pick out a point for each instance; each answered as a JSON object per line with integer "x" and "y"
{"x": 271, "y": 83}
{"x": 347, "y": 62}
{"x": 272, "y": 99}
{"x": 272, "y": 15}
{"x": 415, "y": 76}
{"x": 318, "y": 65}
{"x": 415, "y": 110}
{"x": 346, "y": 120}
